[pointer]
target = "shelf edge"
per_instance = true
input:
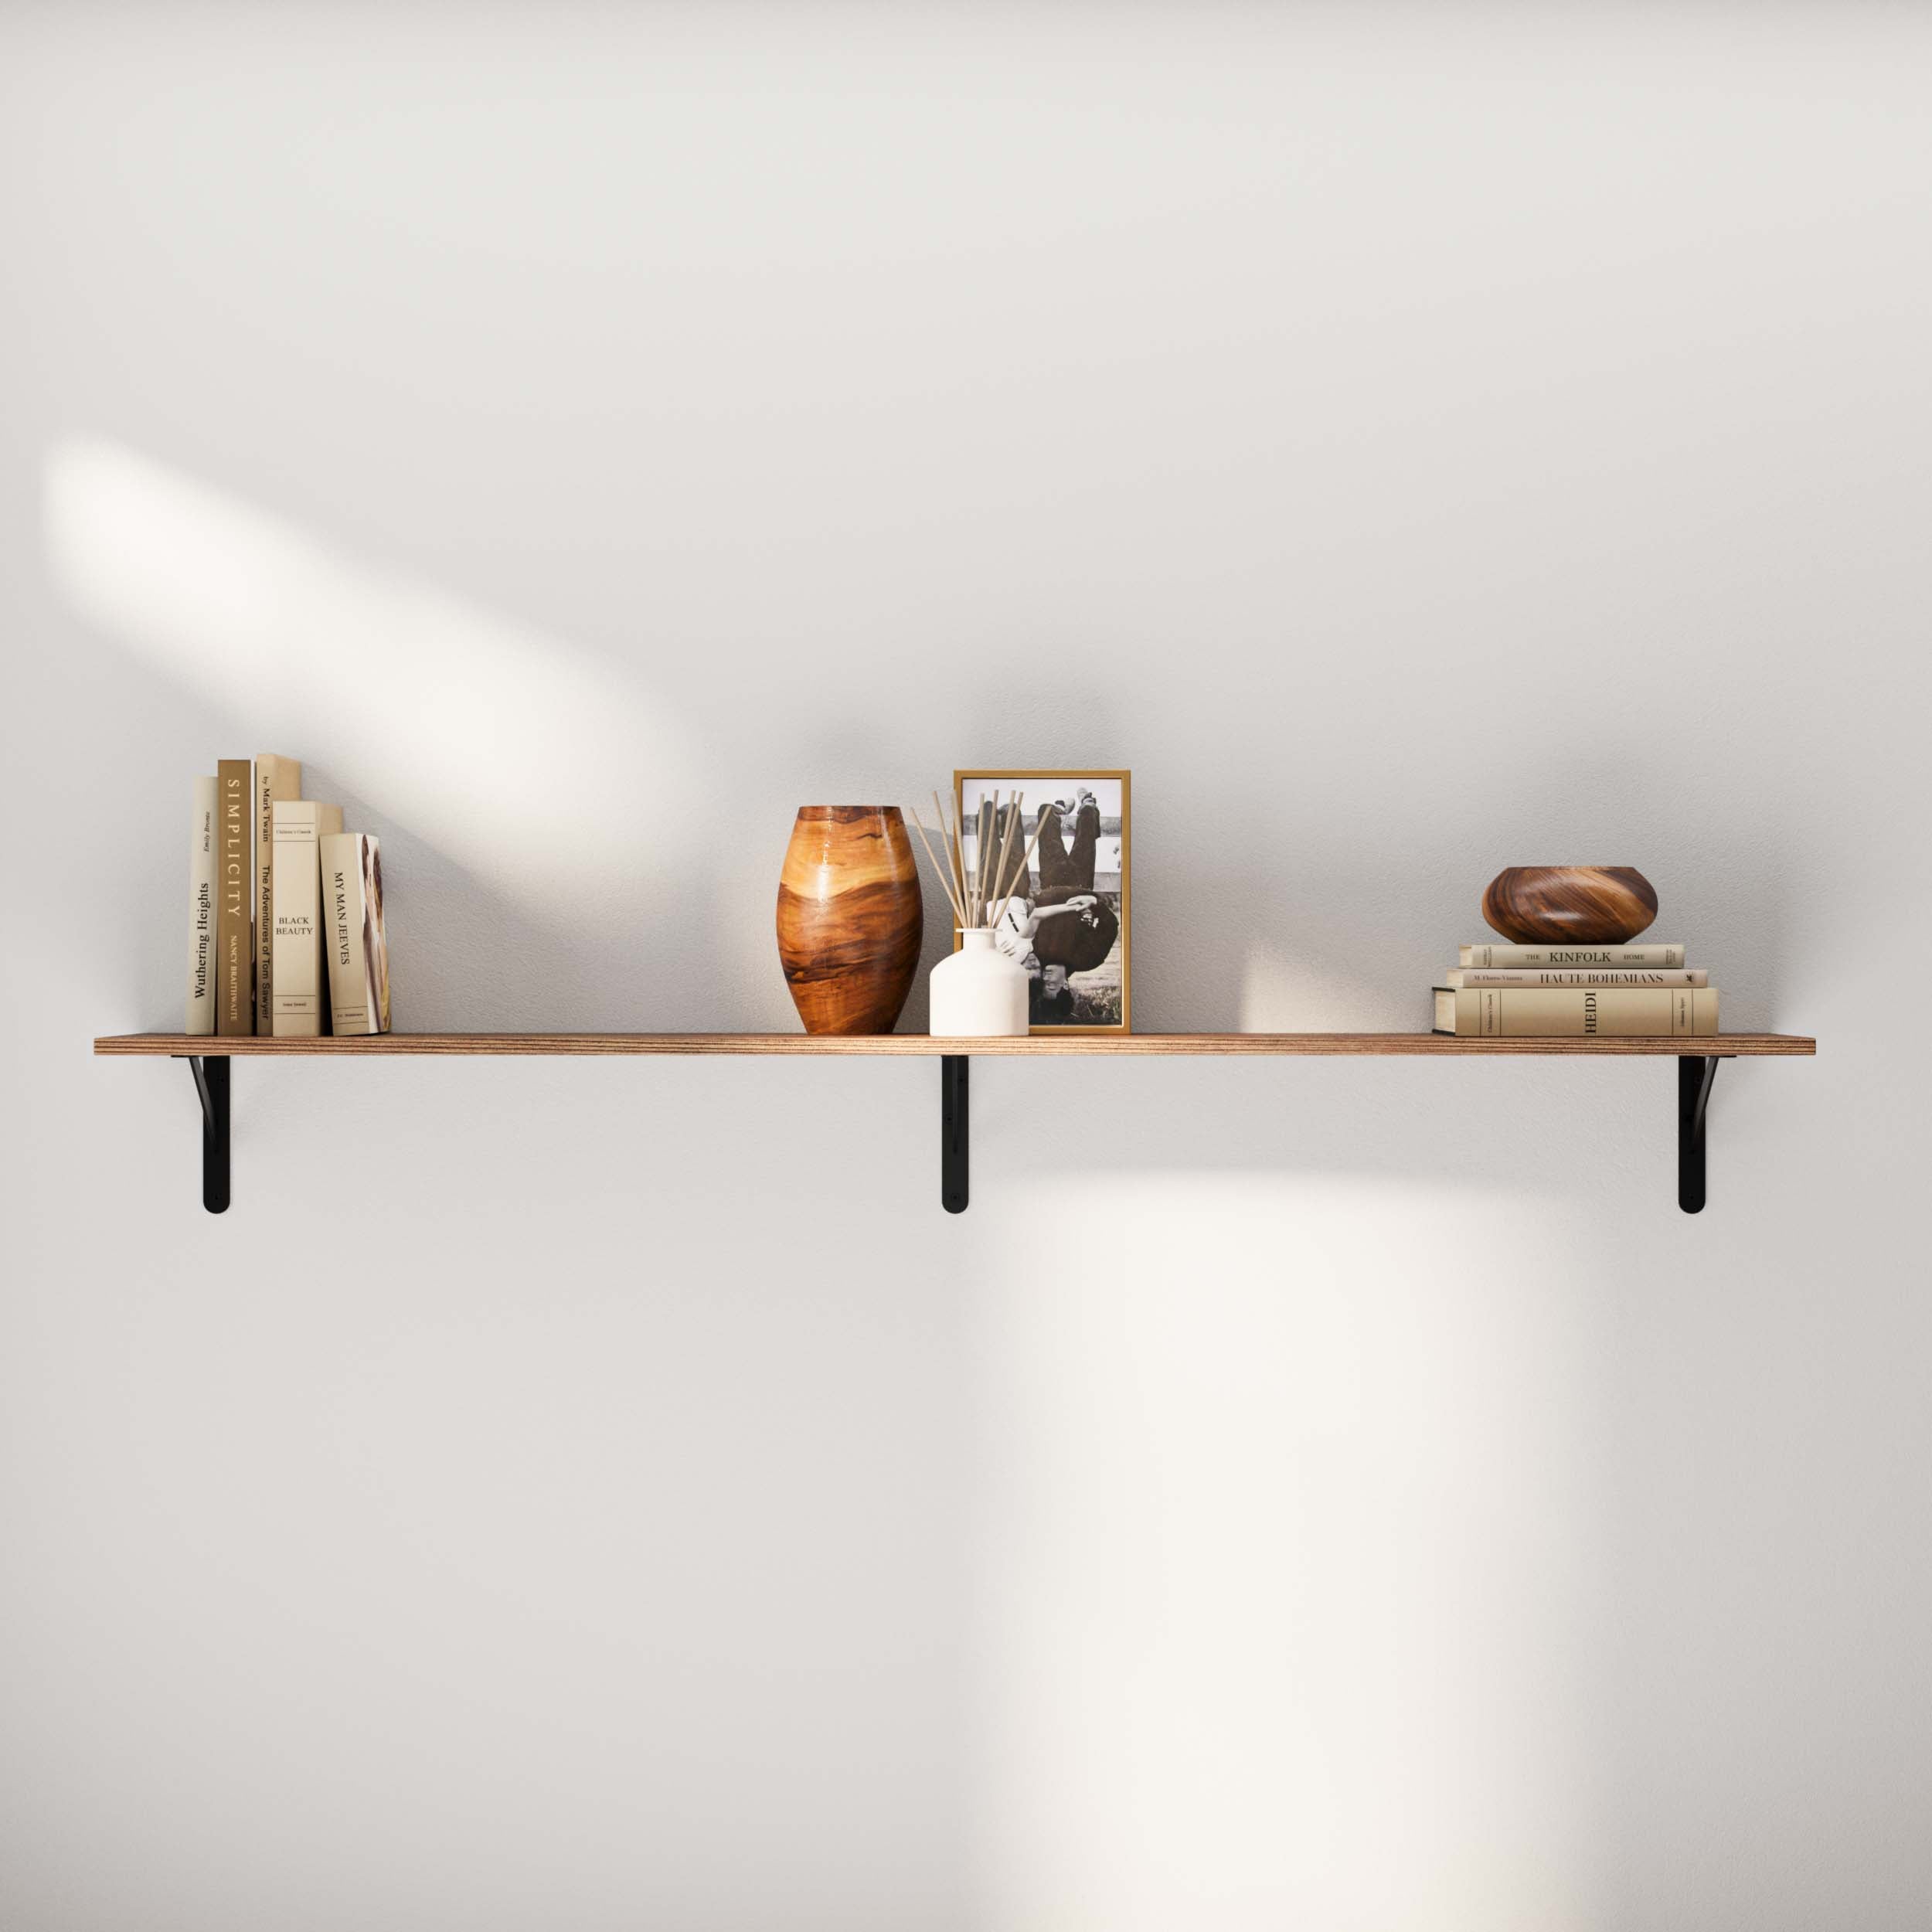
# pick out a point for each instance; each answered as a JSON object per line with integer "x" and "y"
{"x": 1205, "y": 1046}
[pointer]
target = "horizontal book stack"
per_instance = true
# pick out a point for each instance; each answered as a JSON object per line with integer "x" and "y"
{"x": 1501, "y": 991}
{"x": 285, "y": 931}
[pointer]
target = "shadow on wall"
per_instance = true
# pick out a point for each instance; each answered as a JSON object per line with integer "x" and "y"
{"x": 514, "y": 777}
{"x": 1332, "y": 930}
{"x": 1571, "y": 1128}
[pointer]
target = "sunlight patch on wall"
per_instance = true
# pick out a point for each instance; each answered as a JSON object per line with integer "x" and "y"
{"x": 1288, "y": 1551}
{"x": 521, "y": 757}
{"x": 1277, "y": 997}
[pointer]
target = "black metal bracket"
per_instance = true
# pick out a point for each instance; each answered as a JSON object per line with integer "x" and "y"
{"x": 1695, "y": 1073}
{"x": 954, "y": 1137}
{"x": 211, "y": 1083}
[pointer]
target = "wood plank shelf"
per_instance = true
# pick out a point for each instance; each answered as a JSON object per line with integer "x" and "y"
{"x": 1696, "y": 1056}
{"x": 182, "y": 1045}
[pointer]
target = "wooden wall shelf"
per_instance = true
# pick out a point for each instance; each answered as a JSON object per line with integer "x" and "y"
{"x": 1696, "y": 1058}
{"x": 180, "y": 1045}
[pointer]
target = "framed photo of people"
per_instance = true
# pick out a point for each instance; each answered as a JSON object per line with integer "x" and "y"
{"x": 1066, "y": 921}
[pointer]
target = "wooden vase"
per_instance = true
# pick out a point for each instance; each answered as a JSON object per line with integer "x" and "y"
{"x": 851, "y": 917}
{"x": 1569, "y": 905}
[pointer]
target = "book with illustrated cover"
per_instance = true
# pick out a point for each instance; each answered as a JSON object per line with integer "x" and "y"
{"x": 301, "y": 1002}
{"x": 1486, "y": 954}
{"x": 201, "y": 907}
{"x": 1578, "y": 976}
{"x": 1479, "y": 1012}
{"x": 358, "y": 949}
{"x": 276, "y": 779}
{"x": 234, "y": 900}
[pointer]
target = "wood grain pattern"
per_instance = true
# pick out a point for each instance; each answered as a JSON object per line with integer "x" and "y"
{"x": 1751, "y": 1045}
{"x": 1569, "y": 905}
{"x": 851, "y": 917}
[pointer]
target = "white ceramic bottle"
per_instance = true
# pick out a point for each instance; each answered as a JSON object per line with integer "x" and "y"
{"x": 978, "y": 993}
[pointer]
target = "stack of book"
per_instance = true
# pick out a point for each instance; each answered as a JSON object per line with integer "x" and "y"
{"x": 284, "y": 909}
{"x": 1505, "y": 991}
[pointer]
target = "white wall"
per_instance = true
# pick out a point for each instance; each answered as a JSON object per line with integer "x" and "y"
{"x": 597, "y": 1495}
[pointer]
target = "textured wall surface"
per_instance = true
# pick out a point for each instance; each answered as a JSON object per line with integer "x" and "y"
{"x": 611, "y": 1495}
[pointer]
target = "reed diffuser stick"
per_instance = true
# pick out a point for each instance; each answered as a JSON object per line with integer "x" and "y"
{"x": 992, "y": 857}
{"x": 1019, "y": 843}
{"x": 953, "y": 855}
{"x": 1016, "y": 838}
{"x": 973, "y": 870}
{"x": 989, "y": 868}
{"x": 1025, "y": 861}
{"x": 1003, "y": 844}
{"x": 970, "y": 870}
{"x": 944, "y": 872}
{"x": 988, "y": 806}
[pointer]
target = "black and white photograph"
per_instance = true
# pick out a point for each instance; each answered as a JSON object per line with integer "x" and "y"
{"x": 1066, "y": 921}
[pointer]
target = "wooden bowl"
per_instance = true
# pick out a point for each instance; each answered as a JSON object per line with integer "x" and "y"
{"x": 1569, "y": 905}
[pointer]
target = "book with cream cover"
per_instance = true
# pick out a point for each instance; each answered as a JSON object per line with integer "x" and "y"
{"x": 234, "y": 899}
{"x": 1578, "y": 976}
{"x": 201, "y": 908}
{"x": 358, "y": 951}
{"x": 276, "y": 778}
{"x": 1485, "y": 954}
{"x": 301, "y": 986}
{"x": 1528, "y": 1012}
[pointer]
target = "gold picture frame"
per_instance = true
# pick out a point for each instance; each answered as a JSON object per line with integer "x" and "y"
{"x": 1058, "y": 1005}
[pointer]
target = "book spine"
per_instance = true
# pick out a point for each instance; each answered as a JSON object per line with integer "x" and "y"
{"x": 1484, "y": 955}
{"x": 1561, "y": 976}
{"x": 1581, "y": 1013}
{"x": 299, "y": 1006}
{"x": 357, "y": 955}
{"x": 234, "y": 901}
{"x": 276, "y": 780}
{"x": 201, "y": 907}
